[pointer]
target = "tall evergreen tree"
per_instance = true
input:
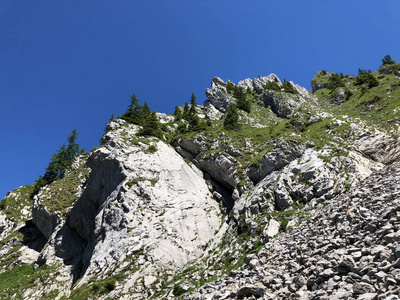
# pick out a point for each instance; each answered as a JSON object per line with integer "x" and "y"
{"x": 193, "y": 105}
{"x": 145, "y": 113}
{"x": 178, "y": 114}
{"x": 186, "y": 114}
{"x": 242, "y": 102}
{"x": 134, "y": 111}
{"x": 151, "y": 126}
{"x": 231, "y": 118}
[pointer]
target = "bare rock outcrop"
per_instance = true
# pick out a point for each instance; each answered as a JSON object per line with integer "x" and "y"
{"x": 142, "y": 206}
{"x": 218, "y": 95}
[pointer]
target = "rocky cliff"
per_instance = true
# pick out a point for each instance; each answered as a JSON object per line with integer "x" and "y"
{"x": 300, "y": 200}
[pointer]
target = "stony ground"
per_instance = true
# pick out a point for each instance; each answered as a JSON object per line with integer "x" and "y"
{"x": 349, "y": 250}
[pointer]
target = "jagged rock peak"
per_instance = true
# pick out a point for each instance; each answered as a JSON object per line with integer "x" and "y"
{"x": 259, "y": 82}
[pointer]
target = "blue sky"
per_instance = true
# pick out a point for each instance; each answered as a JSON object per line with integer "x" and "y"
{"x": 71, "y": 64}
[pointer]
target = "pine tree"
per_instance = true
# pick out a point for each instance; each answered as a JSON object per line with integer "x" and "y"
{"x": 242, "y": 103}
{"x": 144, "y": 114}
{"x": 186, "y": 114}
{"x": 231, "y": 118}
{"x": 151, "y": 126}
{"x": 288, "y": 87}
{"x": 60, "y": 162}
{"x": 177, "y": 114}
{"x": 134, "y": 111}
{"x": 193, "y": 106}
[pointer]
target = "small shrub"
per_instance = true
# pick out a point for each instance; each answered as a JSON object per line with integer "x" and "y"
{"x": 178, "y": 290}
{"x": 232, "y": 118}
{"x": 152, "y": 149}
{"x": 289, "y": 88}
{"x": 230, "y": 87}
{"x": 366, "y": 77}
{"x": 272, "y": 85}
{"x": 182, "y": 128}
{"x": 335, "y": 81}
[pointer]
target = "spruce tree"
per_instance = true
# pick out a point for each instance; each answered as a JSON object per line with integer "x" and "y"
{"x": 151, "y": 126}
{"x": 193, "y": 106}
{"x": 288, "y": 87}
{"x": 144, "y": 114}
{"x": 242, "y": 103}
{"x": 186, "y": 114}
{"x": 177, "y": 114}
{"x": 231, "y": 118}
{"x": 60, "y": 162}
{"x": 134, "y": 112}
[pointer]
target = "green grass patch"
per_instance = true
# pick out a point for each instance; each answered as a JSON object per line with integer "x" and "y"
{"x": 14, "y": 282}
{"x": 14, "y": 203}
{"x": 62, "y": 193}
{"x": 134, "y": 181}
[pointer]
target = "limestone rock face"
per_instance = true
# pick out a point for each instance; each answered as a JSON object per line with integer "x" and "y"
{"x": 218, "y": 95}
{"x": 5, "y": 225}
{"x": 211, "y": 112}
{"x": 222, "y": 167}
{"x": 283, "y": 104}
{"x": 378, "y": 145}
{"x": 258, "y": 84}
{"x": 281, "y": 154}
{"x": 137, "y": 203}
{"x": 296, "y": 175}
{"x": 339, "y": 96}
{"x": 321, "y": 81}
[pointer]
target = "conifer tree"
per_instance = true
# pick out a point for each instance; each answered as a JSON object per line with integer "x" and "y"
{"x": 60, "y": 162}
{"x": 177, "y": 114}
{"x": 242, "y": 103}
{"x": 288, "y": 87}
{"x": 151, "y": 126}
{"x": 132, "y": 113}
{"x": 186, "y": 114}
{"x": 231, "y": 118}
{"x": 193, "y": 106}
{"x": 144, "y": 114}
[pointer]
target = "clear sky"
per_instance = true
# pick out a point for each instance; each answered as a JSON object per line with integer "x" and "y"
{"x": 71, "y": 64}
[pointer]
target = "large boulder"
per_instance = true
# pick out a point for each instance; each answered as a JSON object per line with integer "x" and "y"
{"x": 282, "y": 104}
